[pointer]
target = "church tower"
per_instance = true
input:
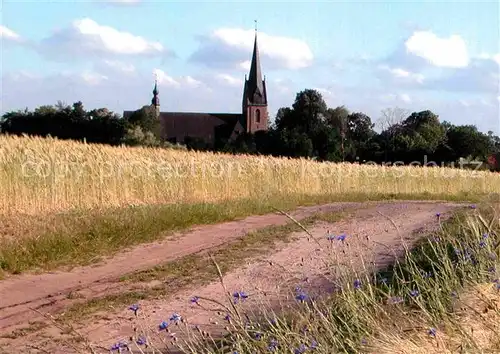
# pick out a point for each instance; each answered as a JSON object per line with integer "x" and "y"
{"x": 255, "y": 111}
{"x": 155, "y": 102}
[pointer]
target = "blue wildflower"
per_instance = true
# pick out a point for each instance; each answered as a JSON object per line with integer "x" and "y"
{"x": 119, "y": 346}
{"x": 141, "y": 341}
{"x": 134, "y": 308}
{"x": 257, "y": 335}
{"x": 227, "y": 318}
{"x": 414, "y": 293}
{"x": 482, "y": 244}
{"x": 473, "y": 206}
{"x": 485, "y": 235}
{"x": 357, "y": 284}
{"x": 432, "y": 332}
{"x": 194, "y": 300}
{"x": 175, "y": 317}
{"x": 341, "y": 237}
{"x": 239, "y": 295}
{"x": 313, "y": 345}
{"x": 438, "y": 215}
{"x": 163, "y": 326}
{"x": 301, "y": 349}
{"x": 273, "y": 345}
{"x": 301, "y": 296}
{"x": 383, "y": 281}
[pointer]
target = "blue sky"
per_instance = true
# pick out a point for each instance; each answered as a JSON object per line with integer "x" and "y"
{"x": 443, "y": 56}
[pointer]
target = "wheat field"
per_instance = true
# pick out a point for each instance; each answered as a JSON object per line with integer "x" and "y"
{"x": 46, "y": 175}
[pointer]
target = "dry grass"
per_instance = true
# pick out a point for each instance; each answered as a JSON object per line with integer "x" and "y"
{"x": 476, "y": 315}
{"x": 39, "y": 176}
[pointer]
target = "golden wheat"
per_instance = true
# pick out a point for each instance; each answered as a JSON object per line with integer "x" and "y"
{"x": 48, "y": 175}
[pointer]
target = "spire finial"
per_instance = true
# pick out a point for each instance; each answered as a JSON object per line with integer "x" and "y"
{"x": 155, "y": 89}
{"x": 255, "y": 25}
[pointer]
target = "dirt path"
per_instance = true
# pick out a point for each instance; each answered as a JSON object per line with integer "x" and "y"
{"x": 49, "y": 292}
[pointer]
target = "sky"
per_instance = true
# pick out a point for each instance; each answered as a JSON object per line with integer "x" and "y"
{"x": 366, "y": 55}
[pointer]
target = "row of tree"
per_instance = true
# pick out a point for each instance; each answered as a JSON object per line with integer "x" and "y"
{"x": 311, "y": 129}
{"x": 100, "y": 126}
{"x": 307, "y": 129}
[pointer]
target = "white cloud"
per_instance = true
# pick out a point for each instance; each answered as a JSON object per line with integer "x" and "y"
{"x": 494, "y": 57}
{"x": 182, "y": 81}
{"x": 119, "y": 65}
{"x": 480, "y": 76}
{"x": 8, "y": 34}
{"x": 190, "y": 81}
{"x": 282, "y": 86}
{"x": 229, "y": 80}
{"x": 93, "y": 78}
{"x": 448, "y": 52}
{"x": 233, "y": 47}
{"x": 85, "y": 37}
{"x": 393, "y": 97}
{"x": 324, "y": 92}
{"x": 401, "y": 74}
{"x": 245, "y": 65}
{"x": 405, "y": 97}
{"x": 293, "y": 53}
{"x": 164, "y": 79}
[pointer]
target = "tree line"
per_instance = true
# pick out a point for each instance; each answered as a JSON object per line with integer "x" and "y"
{"x": 309, "y": 128}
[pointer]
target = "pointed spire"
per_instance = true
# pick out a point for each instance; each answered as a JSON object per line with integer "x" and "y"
{"x": 155, "y": 90}
{"x": 255, "y": 76}
{"x": 156, "y": 100}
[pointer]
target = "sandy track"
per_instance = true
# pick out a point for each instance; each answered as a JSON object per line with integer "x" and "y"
{"x": 49, "y": 292}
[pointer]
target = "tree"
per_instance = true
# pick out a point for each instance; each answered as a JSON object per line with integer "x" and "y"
{"x": 390, "y": 117}
{"x": 306, "y": 113}
{"x": 388, "y": 122}
{"x": 419, "y": 134}
{"x": 338, "y": 119}
{"x": 147, "y": 119}
{"x": 467, "y": 142}
{"x": 360, "y": 134}
{"x": 137, "y": 137}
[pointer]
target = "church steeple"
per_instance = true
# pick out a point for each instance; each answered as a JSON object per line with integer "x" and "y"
{"x": 255, "y": 113}
{"x": 256, "y": 91}
{"x": 156, "y": 100}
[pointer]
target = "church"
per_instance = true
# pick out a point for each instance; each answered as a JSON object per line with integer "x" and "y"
{"x": 180, "y": 127}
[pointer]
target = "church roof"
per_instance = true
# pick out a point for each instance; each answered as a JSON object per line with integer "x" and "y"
{"x": 183, "y": 124}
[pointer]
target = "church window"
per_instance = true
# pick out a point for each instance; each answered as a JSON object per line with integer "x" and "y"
{"x": 257, "y": 115}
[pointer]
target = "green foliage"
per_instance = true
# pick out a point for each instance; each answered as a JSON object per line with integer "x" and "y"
{"x": 135, "y": 136}
{"x": 309, "y": 128}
